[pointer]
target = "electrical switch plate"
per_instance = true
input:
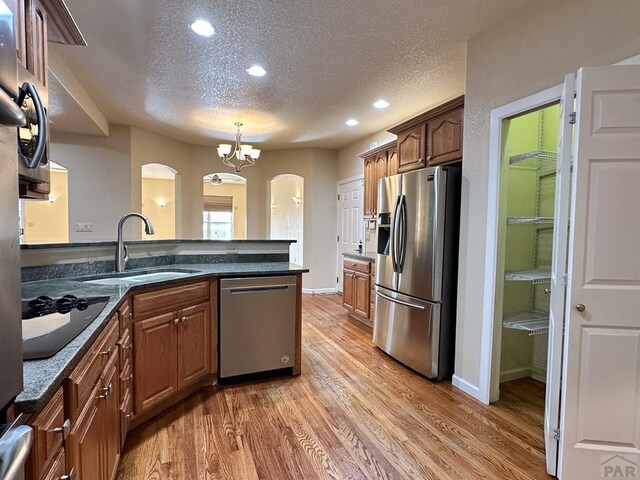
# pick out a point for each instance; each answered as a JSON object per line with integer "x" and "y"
{"x": 83, "y": 227}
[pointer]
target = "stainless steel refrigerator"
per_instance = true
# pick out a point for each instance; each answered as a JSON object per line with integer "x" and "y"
{"x": 417, "y": 269}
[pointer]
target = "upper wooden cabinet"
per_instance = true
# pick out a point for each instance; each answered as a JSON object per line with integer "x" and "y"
{"x": 411, "y": 152}
{"x": 444, "y": 138}
{"x": 432, "y": 138}
{"x": 36, "y": 41}
{"x": 379, "y": 163}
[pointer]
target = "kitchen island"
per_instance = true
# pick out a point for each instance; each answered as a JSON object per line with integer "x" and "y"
{"x": 154, "y": 343}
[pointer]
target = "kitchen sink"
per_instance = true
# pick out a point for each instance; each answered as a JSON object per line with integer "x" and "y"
{"x": 133, "y": 277}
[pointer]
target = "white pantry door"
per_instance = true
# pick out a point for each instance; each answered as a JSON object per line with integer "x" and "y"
{"x": 600, "y": 411}
{"x": 350, "y": 223}
{"x": 558, "y": 271}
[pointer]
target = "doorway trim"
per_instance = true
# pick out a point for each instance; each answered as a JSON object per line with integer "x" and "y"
{"x": 490, "y": 331}
{"x": 338, "y": 255}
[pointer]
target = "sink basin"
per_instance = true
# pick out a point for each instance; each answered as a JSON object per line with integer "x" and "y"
{"x": 140, "y": 278}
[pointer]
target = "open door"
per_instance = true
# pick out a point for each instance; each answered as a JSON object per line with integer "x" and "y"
{"x": 558, "y": 275}
{"x": 600, "y": 405}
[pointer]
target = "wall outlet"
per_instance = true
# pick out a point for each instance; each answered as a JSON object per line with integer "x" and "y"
{"x": 84, "y": 227}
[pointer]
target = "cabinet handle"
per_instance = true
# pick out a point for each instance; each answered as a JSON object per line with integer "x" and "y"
{"x": 128, "y": 347}
{"x": 176, "y": 321}
{"x": 126, "y": 379}
{"x": 129, "y": 415}
{"x": 69, "y": 476}
{"x": 184, "y": 319}
{"x": 64, "y": 429}
{"x": 429, "y": 157}
{"x": 107, "y": 391}
{"x": 107, "y": 352}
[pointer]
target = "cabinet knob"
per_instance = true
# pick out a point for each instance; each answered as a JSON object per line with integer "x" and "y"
{"x": 184, "y": 319}
{"x": 129, "y": 415}
{"x": 126, "y": 379}
{"x": 64, "y": 429}
{"x": 580, "y": 307}
{"x": 176, "y": 321}
{"x": 429, "y": 158}
{"x": 69, "y": 476}
{"x": 107, "y": 352}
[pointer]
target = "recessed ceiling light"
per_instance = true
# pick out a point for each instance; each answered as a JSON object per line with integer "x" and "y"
{"x": 381, "y": 104}
{"x": 256, "y": 71}
{"x": 352, "y": 122}
{"x": 202, "y": 27}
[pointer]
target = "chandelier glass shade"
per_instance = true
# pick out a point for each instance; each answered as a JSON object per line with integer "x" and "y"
{"x": 238, "y": 156}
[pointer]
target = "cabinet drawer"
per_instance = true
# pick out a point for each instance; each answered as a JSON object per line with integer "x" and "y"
{"x": 85, "y": 376}
{"x": 169, "y": 299}
{"x": 357, "y": 265}
{"x": 125, "y": 345}
{"x": 126, "y": 377}
{"x": 57, "y": 469}
{"x": 49, "y": 432}
{"x": 124, "y": 314}
{"x": 126, "y": 414}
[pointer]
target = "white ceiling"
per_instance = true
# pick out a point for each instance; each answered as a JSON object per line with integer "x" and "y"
{"x": 326, "y": 61}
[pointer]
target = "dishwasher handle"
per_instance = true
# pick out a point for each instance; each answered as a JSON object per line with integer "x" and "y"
{"x": 245, "y": 290}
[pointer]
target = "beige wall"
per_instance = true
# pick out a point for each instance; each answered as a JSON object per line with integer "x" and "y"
{"x": 523, "y": 54}
{"x": 159, "y": 204}
{"x": 48, "y": 221}
{"x": 239, "y": 193}
{"x": 99, "y": 169}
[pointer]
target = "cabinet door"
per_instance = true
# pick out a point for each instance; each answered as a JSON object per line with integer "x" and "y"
{"x": 347, "y": 287}
{"x": 155, "y": 345}
{"x": 392, "y": 161}
{"x": 411, "y": 149}
{"x": 193, "y": 344}
{"x": 37, "y": 41}
{"x": 444, "y": 138}
{"x": 18, "y": 9}
{"x": 380, "y": 172}
{"x": 109, "y": 403}
{"x": 362, "y": 294}
{"x": 369, "y": 183}
{"x": 84, "y": 444}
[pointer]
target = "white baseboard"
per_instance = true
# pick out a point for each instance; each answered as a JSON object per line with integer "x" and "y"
{"x": 539, "y": 375}
{"x": 466, "y": 387}
{"x": 514, "y": 374}
{"x": 318, "y": 291}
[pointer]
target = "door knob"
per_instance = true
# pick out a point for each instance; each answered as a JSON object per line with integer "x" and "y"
{"x": 580, "y": 307}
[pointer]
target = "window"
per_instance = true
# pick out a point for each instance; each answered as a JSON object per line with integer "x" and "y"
{"x": 217, "y": 217}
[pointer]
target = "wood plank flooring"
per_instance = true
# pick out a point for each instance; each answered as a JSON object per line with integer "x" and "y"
{"x": 354, "y": 413}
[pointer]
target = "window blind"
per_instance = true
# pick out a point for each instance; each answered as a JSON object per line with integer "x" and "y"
{"x": 218, "y": 203}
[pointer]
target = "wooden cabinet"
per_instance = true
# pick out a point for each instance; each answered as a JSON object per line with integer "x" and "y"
{"x": 193, "y": 344}
{"x": 357, "y": 289}
{"x": 378, "y": 163}
{"x": 172, "y": 342}
{"x": 50, "y": 430}
{"x": 369, "y": 207}
{"x": 110, "y": 418}
{"x": 155, "y": 352}
{"x": 444, "y": 138}
{"x": 411, "y": 149}
{"x": 36, "y": 40}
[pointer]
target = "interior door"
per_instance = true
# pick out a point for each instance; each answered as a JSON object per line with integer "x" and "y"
{"x": 600, "y": 409}
{"x": 351, "y": 225}
{"x": 558, "y": 271}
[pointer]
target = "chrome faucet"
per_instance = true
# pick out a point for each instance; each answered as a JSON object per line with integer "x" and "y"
{"x": 122, "y": 256}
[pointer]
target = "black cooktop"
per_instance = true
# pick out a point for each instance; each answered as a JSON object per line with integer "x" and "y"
{"x": 49, "y": 324}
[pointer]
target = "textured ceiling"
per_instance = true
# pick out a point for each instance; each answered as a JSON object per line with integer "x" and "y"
{"x": 326, "y": 61}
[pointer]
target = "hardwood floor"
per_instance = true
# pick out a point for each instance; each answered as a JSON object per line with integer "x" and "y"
{"x": 354, "y": 413}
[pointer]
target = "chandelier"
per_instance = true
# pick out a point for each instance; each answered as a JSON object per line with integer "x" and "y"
{"x": 241, "y": 156}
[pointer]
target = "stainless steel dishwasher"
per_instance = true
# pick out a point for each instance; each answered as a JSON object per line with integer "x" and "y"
{"x": 257, "y": 324}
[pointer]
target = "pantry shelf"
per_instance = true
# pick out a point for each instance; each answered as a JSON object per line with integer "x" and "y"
{"x": 542, "y": 160}
{"x": 535, "y": 276}
{"x": 539, "y": 222}
{"x": 535, "y": 323}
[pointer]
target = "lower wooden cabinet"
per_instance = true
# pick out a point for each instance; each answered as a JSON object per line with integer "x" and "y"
{"x": 357, "y": 289}
{"x": 58, "y": 468}
{"x": 193, "y": 344}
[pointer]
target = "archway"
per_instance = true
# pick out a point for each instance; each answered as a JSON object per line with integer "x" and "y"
{"x": 224, "y": 206}
{"x": 159, "y": 199}
{"x": 287, "y": 212}
{"x": 47, "y": 222}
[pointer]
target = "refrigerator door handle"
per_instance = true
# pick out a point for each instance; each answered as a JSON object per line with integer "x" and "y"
{"x": 11, "y": 115}
{"x": 394, "y": 235}
{"x": 401, "y": 302}
{"x": 403, "y": 233}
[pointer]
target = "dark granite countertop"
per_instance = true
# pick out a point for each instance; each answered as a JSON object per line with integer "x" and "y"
{"x": 42, "y": 378}
{"x": 365, "y": 256}
{"x": 109, "y": 243}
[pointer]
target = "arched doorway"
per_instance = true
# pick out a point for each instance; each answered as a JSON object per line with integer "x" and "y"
{"x": 159, "y": 199}
{"x": 287, "y": 212}
{"x": 47, "y": 222}
{"x": 224, "y": 206}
